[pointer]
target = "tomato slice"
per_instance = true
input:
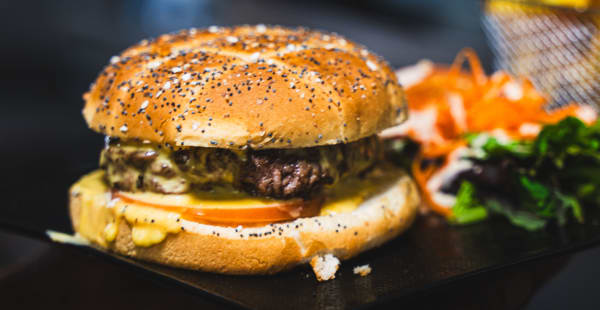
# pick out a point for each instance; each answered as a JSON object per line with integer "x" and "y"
{"x": 255, "y": 212}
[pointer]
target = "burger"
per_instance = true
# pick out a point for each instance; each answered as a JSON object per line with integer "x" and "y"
{"x": 245, "y": 150}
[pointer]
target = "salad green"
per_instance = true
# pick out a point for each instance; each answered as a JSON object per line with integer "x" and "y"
{"x": 547, "y": 179}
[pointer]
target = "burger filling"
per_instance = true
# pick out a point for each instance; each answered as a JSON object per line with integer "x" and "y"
{"x": 279, "y": 173}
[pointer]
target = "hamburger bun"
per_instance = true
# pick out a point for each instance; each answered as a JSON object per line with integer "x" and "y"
{"x": 256, "y": 86}
{"x": 271, "y": 248}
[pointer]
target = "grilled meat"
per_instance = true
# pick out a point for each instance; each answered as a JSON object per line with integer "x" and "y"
{"x": 278, "y": 173}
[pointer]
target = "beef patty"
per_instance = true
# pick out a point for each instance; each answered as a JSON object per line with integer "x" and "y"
{"x": 278, "y": 173}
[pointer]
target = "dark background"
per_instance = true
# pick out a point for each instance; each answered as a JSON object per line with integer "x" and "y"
{"x": 51, "y": 51}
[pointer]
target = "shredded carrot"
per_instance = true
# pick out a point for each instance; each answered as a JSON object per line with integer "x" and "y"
{"x": 469, "y": 101}
{"x": 477, "y": 73}
{"x": 421, "y": 177}
{"x": 441, "y": 149}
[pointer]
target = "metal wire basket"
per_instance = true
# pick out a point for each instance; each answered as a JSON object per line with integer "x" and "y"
{"x": 557, "y": 47}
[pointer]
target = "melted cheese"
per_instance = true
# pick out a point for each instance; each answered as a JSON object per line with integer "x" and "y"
{"x": 100, "y": 214}
{"x": 92, "y": 220}
{"x": 347, "y": 195}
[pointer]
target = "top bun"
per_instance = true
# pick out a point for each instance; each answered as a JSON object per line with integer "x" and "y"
{"x": 256, "y": 86}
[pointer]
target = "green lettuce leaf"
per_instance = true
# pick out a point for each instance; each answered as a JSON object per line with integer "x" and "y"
{"x": 569, "y": 138}
{"x": 524, "y": 219}
{"x": 467, "y": 209}
{"x": 552, "y": 177}
{"x": 549, "y": 202}
{"x": 494, "y": 148}
{"x": 549, "y": 179}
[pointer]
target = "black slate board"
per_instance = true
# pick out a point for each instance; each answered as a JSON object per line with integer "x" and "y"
{"x": 431, "y": 254}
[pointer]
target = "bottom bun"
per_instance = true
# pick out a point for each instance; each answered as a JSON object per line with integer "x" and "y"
{"x": 271, "y": 248}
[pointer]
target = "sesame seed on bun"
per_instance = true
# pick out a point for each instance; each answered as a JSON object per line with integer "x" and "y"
{"x": 255, "y": 86}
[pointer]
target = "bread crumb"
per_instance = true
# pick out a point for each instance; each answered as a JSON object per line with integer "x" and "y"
{"x": 362, "y": 270}
{"x": 325, "y": 266}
